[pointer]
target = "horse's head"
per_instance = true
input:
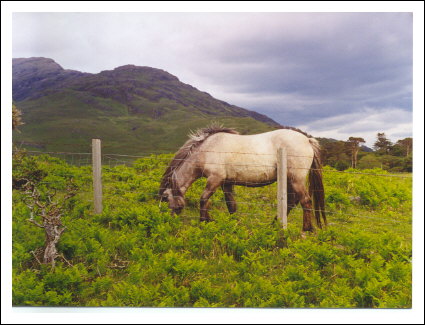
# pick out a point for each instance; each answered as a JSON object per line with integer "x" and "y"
{"x": 174, "y": 178}
{"x": 175, "y": 201}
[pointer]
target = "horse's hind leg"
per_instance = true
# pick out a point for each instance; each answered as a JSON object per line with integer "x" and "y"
{"x": 292, "y": 198}
{"x": 212, "y": 184}
{"x": 305, "y": 200}
{"x": 228, "y": 196}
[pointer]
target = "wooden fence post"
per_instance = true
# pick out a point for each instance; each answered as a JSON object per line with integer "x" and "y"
{"x": 282, "y": 192}
{"x": 97, "y": 175}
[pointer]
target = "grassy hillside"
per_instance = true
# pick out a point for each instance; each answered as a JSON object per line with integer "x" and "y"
{"x": 135, "y": 110}
{"x": 136, "y": 254}
{"x": 55, "y": 125}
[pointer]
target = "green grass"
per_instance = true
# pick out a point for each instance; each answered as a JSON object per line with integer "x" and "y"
{"x": 136, "y": 254}
{"x": 53, "y": 125}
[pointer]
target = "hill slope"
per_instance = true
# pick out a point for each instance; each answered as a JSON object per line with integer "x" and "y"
{"x": 132, "y": 109}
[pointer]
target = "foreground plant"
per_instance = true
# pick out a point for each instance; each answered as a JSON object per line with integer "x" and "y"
{"x": 49, "y": 210}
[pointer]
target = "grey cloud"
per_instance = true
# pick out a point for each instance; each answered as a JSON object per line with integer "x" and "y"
{"x": 363, "y": 60}
{"x": 298, "y": 68}
{"x": 366, "y": 123}
{"x": 402, "y": 135}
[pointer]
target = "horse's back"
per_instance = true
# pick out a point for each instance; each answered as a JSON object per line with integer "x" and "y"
{"x": 265, "y": 144}
{"x": 252, "y": 158}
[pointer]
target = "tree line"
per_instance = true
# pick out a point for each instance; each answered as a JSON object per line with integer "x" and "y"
{"x": 395, "y": 157}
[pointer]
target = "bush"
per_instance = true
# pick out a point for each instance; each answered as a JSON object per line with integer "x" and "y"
{"x": 341, "y": 165}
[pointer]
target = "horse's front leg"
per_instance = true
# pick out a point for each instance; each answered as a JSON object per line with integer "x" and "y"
{"x": 212, "y": 184}
{"x": 228, "y": 196}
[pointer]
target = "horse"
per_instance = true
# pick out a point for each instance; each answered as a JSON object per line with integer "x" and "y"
{"x": 227, "y": 158}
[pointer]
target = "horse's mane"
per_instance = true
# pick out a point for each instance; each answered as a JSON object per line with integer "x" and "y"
{"x": 294, "y": 129}
{"x": 195, "y": 140}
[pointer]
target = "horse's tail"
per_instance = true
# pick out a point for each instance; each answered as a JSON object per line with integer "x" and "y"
{"x": 316, "y": 189}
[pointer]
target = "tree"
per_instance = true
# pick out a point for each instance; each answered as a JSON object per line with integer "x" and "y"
{"x": 354, "y": 145}
{"x": 47, "y": 204}
{"x": 408, "y": 163}
{"x": 334, "y": 151}
{"x": 405, "y": 146}
{"x": 369, "y": 160}
{"x": 49, "y": 209}
{"x": 382, "y": 144}
{"x": 341, "y": 165}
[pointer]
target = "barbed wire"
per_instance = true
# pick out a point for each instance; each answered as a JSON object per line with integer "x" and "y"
{"x": 111, "y": 157}
{"x": 59, "y": 152}
{"x": 260, "y": 165}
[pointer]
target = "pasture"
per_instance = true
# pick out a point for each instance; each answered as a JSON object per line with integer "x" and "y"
{"x": 135, "y": 253}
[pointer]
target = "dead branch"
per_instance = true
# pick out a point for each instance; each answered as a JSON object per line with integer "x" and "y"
{"x": 35, "y": 222}
{"x": 35, "y": 255}
{"x": 50, "y": 212}
{"x": 67, "y": 262}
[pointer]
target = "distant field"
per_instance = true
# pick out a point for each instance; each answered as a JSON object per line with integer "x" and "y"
{"x": 136, "y": 254}
{"x": 135, "y": 135}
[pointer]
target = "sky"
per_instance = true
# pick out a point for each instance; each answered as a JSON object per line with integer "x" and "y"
{"x": 330, "y": 74}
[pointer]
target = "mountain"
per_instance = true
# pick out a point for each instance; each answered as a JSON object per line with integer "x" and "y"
{"x": 366, "y": 148}
{"x": 34, "y": 75}
{"x": 133, "y": 109}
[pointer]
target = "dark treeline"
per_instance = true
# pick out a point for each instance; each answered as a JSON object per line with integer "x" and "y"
{"x": 395, "y": 157}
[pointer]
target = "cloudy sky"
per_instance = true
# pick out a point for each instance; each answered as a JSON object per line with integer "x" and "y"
{"x": 331, "y": 74}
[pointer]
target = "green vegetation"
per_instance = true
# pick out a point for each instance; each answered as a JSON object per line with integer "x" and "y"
{"x": 136, "y": 254}
{"x": 128, "y": 134}
{"x": 388, "y": 156}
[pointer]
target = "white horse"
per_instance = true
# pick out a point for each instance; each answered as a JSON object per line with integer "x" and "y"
{"x": 226, "y": 159}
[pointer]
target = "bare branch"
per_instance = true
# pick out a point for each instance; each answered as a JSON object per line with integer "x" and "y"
{"x": 49, "y": 208}
{"x": 41, "y": 206}
{"x": 67, "y": 262}
{"x": 50, "y": 197}
{"x": 35, "y": 255}
{"x": 34, "y": 222}
{"x": 61, "y": 231}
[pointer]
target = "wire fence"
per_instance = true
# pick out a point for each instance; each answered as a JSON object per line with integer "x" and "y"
{"x": 264, "y": 199}
{"x": 113, "y": 160}
{"x": 72, "y": 158}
